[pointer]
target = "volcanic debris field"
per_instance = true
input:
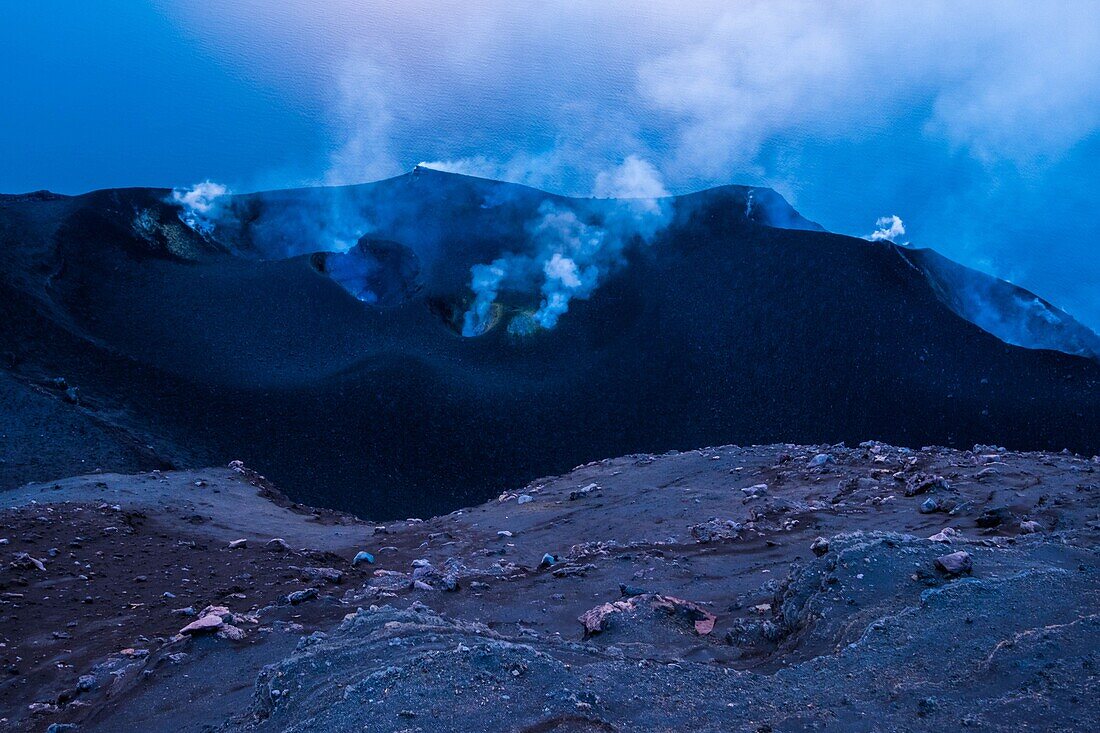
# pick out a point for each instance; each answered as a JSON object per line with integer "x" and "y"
{"x": 772, "y": 588}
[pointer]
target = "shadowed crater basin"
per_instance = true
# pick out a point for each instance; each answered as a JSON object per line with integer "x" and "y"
{"x": 375, "y": 271}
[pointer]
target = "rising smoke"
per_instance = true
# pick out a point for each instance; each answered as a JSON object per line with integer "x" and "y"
{"x": 200, "y": 205}
{"x": 889, "y": 229}
{"x": 569, "y": 256}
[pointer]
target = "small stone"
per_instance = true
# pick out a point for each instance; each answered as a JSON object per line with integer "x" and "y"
{"x": 362, "y": 557}
{"x": 301, "y": 596}
{"x": 205, "y": 625}
{"x": 504, "y": 533}
{"x": 23, "y": 561}
{"x": 957, "y": 563}
{"x": 716, "y": 529}
{"x": 330, "y": 575}
{"x": 946, "y": 535}
{"x": 994, "y": 517}
{"x": 1030, "y": 527}
{"x": 754, "y": 491}
{"x": 524, "y": 498}
{"x": 583, "y": 492}
{"x": 231, "y": 632}
{"x": 277, "y": 544}
{"x": 547, "y": 561}
{"x": 239, "y": 544}
{"x": 820, "y": 546}
{"x": 85, "y": 682}
{"x": 930, "y": 506}
{"x": 820, "y": 460}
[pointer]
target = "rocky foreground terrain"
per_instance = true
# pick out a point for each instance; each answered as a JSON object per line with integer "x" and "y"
{"x": 775, "y": 588}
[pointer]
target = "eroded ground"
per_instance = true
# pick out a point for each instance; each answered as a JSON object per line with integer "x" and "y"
{"x": 776, "y": 588}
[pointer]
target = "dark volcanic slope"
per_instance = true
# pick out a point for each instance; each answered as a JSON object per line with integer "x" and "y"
{"x": 723, "y": 328}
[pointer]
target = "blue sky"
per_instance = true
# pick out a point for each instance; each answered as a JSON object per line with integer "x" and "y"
{"x": 975, "y": 123}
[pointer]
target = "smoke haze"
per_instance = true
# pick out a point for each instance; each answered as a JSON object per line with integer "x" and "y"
{"x": 978, "y": 121}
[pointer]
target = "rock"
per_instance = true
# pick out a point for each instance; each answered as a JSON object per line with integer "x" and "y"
{"x": 61, "y": 727}
{"x": 572, "y": 571}
{"x": 230, "y": 632}
{"x": 328, "y": 575}
{"x": 238, "y": 544}
{"x": 866, "y": 484}
{"x": 301, "y": 596}
{"x": 820, "y": 546}
{"x": 524, "y": 498}
{"x": 583, "y": 491}
{"x": 993, "y": 517}
{"x": 277, "y": 544}
{"x": 1030, "y": 527}
{"x": 187, "y": 611}
{"x": 595, "y": 619}
{"x": 716, "y": 529}
{"x": 23, "y": 561}
{"x": 547, "y": 561}
{"x": 421, "y": 585}
{"x": 957, "y": 563}
{"x": 922, "y": 483}
{"x": 203, "y": 625}
{"x": 85, "y": 682}
{"x": 362, "y": 557}
{"x": 820, "y": 460}
{"x": 755, "y": 491}
{"x": 930, "y": 506}
{"x": 629, "y": 591}
{"x": 947, "y": 534}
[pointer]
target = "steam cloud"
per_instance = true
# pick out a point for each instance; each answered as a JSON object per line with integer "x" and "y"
{"x": 570, "y": 255}
{"x": 200, "y": 204}
{"x": 889, "y": 229}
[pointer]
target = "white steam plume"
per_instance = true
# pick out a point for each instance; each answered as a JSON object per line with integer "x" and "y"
{"x": 568, "y": 256}
{"x": 889, "y": 229}
{"x": 634, "y": 179}
{"x": 201, "y": 205}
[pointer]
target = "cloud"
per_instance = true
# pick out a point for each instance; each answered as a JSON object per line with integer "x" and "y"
{"x": 756, "y": 75}
{"x": 984, "y": 111}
